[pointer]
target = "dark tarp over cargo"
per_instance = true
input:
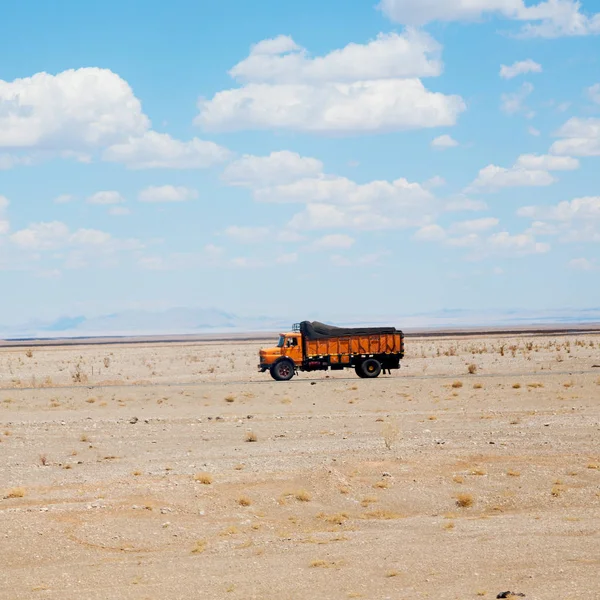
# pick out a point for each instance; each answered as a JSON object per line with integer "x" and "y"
{"x": 319, "y": 331}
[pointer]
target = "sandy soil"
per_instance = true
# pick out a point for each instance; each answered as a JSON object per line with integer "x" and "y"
{"x": 168, "y": 471}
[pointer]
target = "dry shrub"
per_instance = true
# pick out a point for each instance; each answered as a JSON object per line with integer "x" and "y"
{"x": 556, "y": 490}
{"x": 43, "y": 460}
{"x": 203, "y": 478}
{"x": 392, "y": 574}
{"x": 29, "y": 353}
{"x": 321, "y": 564}
{"x": 535, "y": 385}
{"x": 472, "y": 369}
{"x": 382, "y": 485}
{"x": 244, "y": 501}
{"x": 516, "y": 386}
{"x": 593, "y": 466}
{"x": 302, "y": 496}
{"x": 251, "y": 437}
{"x": 512, "y": 473}
{"x": 136, "y": 473}
{"x": 464, "y": 500}
{"x": 366, "y": 502}
{"x": 390, "y": 432}
{"x": 478, "y": 471}
{"x": 230, "y": 398}
{"x": 336, "y": 519}
{"x": 448, "y": 526}
{"x": 458, "y": 479}
{"x": 477, "y": 386}
{"x": 200, "y": 547}
{"x": 17, "y": 492}
{"x": 457, "y": 385}
{"x": 382, "y": 515}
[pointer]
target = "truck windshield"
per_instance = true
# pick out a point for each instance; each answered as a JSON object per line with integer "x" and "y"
{"x": 281, "y": 341}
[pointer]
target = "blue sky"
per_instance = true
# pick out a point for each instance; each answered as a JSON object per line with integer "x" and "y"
{"x": 294, "y": 158}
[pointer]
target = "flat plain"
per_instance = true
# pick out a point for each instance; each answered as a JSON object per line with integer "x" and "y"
{"x": 166, "y": 471}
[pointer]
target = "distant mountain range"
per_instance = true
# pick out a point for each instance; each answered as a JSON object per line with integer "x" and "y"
{"x": 178, "y": 321}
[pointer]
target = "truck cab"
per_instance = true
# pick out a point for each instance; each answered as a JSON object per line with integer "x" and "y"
{"x": 289, "y": 346}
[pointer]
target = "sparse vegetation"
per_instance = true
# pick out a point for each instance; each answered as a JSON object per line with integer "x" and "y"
{"x": 302, "y": 496}
{"x": 457, "y": 385}
{"x": 230, "y": 398}
{"x": 244, "y": 501}
{"x": 203, "y": 478}
{"x": 464, "y": 500}
{"x": 516, "y": 386}
{"x": 251, "y": 437}
{"x": 17, "y": 492}
{"x": 472, "y": 369}
{"x": 390, "y": 432}
{"x": 199, "y": 547}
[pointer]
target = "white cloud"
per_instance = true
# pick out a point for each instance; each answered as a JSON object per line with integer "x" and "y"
{"x": 389, "y": 56}
{"x": 8, "y": 161}
{"x": 520, "y": 68}
{"x": 581, "y": 137}
{"x": 515, "y": 102}
{"x": 443, "y": 142}
{"x": 247, "y": 235}
{"x": 530, "y": 170}
{"x": 64, "y": 199}
{"x": 363, "y": 106}
{"x": 118, "y": 211}
{"x": 549, "y": 19}
{"x": 576, "y": 221}
{"x": 73, "y": 110}
{"x": 470, "y": 237}
{"x": 585, "y": 209}
{"x": 167, "y": 193}
{"x": 475, "y": 225}
{"x": 534, "y": 132}
{"x": 430, "y": 233}
{"x": 276, "y": 169}
{"x": 105, "y": 198}
{"x": 594, "y": 93}
{"x": 547, "y": 162}
{"x": 4, "y": 226}
{"x": 493, "y": 178}
{"x": 91, "y": 237}
{"x": 338, "y": 240}
{"x": 370, "y": 87}
{"x": 155, "y": 150}
{"x": 41, "y": 236}
{"x": 462, "y": 204}
{"x": 582, "y": 264}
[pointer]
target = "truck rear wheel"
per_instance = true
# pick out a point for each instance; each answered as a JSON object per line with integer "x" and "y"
{"x": 370, "y": 368}
{"x": 359, "y": 371}
{"x": 283, "y": 370}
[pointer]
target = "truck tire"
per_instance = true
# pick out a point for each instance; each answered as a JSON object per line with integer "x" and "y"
{"x": 359, "y": 371}
{"x": 283, "y": 370}
{"x": 371, "y": 368}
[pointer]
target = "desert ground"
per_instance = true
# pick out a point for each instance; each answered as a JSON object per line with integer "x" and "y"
{"x": 168, "y": 471}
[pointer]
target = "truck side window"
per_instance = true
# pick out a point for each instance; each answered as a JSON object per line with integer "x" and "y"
{"x": 292, "y": 342}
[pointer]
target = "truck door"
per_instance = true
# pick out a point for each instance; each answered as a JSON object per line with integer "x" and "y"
{"x": 293, "y": 348}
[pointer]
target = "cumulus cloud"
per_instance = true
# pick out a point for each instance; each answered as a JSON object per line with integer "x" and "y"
{"x": 247, "y": 235}
{"x": 514, "y": 102}
{"x": 444, "y": 141}
{"x": 530, "y": 170}
{"x": 580, "y": 137}
{"x": 520, "y": 68}
{"x": 78, "y": 109}
{"x": 549, "y": 19}
{"x": 470, "y": 235}
{"x": 104, "y": 198}
{"x": 594, "y": 93}
{"x": 277, "y": 168}
{"x": 167, "y": 193}
{"x": 4, "y": 223}
{"x": 577, "y": 220}
{"x": 582, "y": 264}
{"x": 359, "y": 88}
{"x": 336, "y": 240}
{"x": 390, "y": 56}
{"x": 155, "y": 150}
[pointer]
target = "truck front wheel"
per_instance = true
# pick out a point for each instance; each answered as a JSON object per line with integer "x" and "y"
{"x": 283, "y": 370}
{"x": 370, "y": 368}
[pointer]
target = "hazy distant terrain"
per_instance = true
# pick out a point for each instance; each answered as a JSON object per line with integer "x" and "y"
{"x": 178, "y": 321}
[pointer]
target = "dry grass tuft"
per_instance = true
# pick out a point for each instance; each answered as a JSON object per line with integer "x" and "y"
{"x": 381, "y": 485}
{"x": 382, "y": 515}
{"x": 595, "y": 466}
{"x": 535, "y": 385}
{"x": 43, "y": 460}
{"x": 17, "y": 492}
{"x": 230, "y": 398}
{"x": 302, "y": 496}
{"x": 513, "y": 473}
{"x": 464, "y": 500}
{"x": 321, "y": 564}
{"x": 448, "y": 526}
{"x": 457, "y": 385}
{"x": 244, "y": 501}
{"x": 251, "y": 437}
{"x": 472, "y": 369}
{"x": 200, "y": 547}
{"x": 556, "y": 490}
{"x": 516, "y": 386}
{"x": 392, "y": 574}
{"x": 203, "y": 478}
{"x": 336, "y": 519}
{"x": 478, "y": 471}
{"x": 477, "y": 386}
{"x": 458, "y": 479}
{"x": 136, "y": 473}
{"x": 84, "y": 438}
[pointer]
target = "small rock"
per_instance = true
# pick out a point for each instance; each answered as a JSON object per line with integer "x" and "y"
{"x": 166, "y": 524}
{"x": 386, "y": 474}
{"x": 133, "y": 420}
{"x": 313, "y": 383}
{"x": 510, "y": 595}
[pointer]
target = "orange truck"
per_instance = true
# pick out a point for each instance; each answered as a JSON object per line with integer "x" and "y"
{"x": 314, "y": 346}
